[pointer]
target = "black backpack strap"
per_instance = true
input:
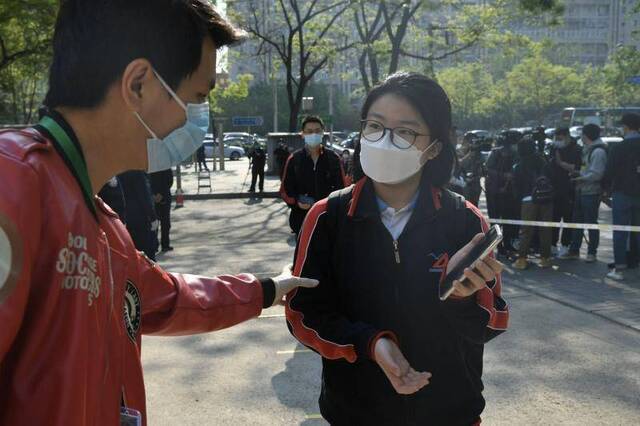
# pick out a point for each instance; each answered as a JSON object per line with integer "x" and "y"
{"x": 594, "y": 149}
{"x": 337, "y": 208}
{"x": 453, "y": 210}
{"x": 337, "y": 229}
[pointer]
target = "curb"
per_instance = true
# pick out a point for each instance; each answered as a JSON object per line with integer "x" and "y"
{"x": 228, "y": 196}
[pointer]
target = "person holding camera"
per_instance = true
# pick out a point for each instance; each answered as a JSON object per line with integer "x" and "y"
{"x": 566, "y": 159}
{"x": 501, "y": 201}
{"x": 534, "y": 191}
{"x": 472, "y": 169}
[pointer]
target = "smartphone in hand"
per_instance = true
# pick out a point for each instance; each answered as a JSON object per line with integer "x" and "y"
{"x": 481, "y": 250}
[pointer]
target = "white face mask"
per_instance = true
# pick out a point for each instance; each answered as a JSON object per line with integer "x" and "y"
{"x": 385, "y": 163}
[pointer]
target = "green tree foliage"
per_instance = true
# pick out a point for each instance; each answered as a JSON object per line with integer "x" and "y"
{"x": 467, "y": 86}
{"x": 539, "y": 85}
{"x": 395, "y": 34}
{"x": 228, "y": 93}
{"x": 26, "y": 28}
{"x": 623, "y": 64}
{"x": 259, "y": 102}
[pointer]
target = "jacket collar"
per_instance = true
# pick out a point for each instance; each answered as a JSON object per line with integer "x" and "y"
{"x": 308, "y": 154}
{"x": 363, "y": 203}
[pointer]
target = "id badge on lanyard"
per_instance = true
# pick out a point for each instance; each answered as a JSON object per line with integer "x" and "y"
{"x": 130, "y": 417}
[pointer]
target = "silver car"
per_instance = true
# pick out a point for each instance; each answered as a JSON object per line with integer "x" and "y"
{"x": 231, "y": 152}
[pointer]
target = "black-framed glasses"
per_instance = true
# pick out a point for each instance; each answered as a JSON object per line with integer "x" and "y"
{"x": 401, "y": 137}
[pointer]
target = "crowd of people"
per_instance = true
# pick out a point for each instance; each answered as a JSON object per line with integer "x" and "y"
{"x": 563, "y": 182}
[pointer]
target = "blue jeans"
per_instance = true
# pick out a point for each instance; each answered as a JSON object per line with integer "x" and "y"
{"x": 626, "y": 211}
{"x": 585, "y": 210}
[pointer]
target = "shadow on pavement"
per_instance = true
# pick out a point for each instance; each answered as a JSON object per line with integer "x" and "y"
{"x": 302, "y": 372}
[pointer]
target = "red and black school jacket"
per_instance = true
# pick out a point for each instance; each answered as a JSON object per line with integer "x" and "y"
{"x": 371, "y": 286}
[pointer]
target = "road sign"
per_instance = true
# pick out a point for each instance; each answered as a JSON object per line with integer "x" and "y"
{"x": 635, "y": 80}
{"x": 247, "y": 121}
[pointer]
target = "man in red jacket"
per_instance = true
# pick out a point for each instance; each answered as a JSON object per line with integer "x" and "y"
{"x": 75, "y": 295}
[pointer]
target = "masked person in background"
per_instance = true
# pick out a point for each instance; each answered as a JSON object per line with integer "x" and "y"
{"x": 472, "y": 169}
{"x": 565, "y": 159}
{"x": 310, "y": 173}
{"x": 501, "y": 201}
{"x": 127, "y": 91}
{"x": 392, "y": 352}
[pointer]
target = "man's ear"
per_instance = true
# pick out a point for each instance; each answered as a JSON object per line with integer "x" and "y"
{"x": 135, "y": 83}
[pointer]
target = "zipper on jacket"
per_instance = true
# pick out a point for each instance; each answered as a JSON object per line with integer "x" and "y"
{"x": 396, "y": 251}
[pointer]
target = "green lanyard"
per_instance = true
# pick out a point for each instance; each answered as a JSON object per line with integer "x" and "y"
{"x": 74, "y": 157}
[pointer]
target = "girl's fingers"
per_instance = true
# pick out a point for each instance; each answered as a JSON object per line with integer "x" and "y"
{"x": 477, "y": 282}
{"x": 485, "y": 271}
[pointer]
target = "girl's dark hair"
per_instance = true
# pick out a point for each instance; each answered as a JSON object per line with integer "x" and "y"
{"x": 432, "y": 103}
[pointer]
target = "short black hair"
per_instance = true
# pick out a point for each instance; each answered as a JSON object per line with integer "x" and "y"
{"x": 592, "y": 131}
{"x": 631, "y": 120}
{"x": 432, "y": 103}
{"x": 312, "y": 119}
{"x": 562, "y": 131}
{"x": 94, "y": 41}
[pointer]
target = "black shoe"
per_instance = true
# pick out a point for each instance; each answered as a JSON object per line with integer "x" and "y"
{"x": 166, "y": 249}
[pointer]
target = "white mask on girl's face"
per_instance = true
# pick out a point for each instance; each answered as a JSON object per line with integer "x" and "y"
{"x": 385, "y": 163}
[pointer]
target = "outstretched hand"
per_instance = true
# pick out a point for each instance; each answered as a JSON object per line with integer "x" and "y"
{"x": 404, "y": 379}
{"x": 285, "y": 282}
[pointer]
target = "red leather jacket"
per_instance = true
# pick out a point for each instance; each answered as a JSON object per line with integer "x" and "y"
{"x": 75, "y": 296}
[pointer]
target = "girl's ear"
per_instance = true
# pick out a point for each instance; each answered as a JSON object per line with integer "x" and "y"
{"x": 431, "y": 152}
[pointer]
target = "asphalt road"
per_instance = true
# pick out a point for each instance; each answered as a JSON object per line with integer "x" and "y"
{"x": 567, "y": 359}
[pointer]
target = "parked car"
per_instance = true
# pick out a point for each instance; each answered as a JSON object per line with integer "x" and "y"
{"x": 340, "y": 135}
{"x": 238, "y": 135}
{"x": 231, "y": 151}
{"x": 245, "y": 144}
{"x": 482, "y": 134}
{"x": 523, "y": 130}
{"x": 611, "y": 140}
{"x": 575, "y": 132}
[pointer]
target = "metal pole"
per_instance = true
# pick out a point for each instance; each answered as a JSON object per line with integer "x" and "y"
{"x": 221, "y": 147}
{"x": 275, "y": 102}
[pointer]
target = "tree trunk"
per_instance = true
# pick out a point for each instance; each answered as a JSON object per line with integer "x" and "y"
{"x": 375, "y": 70}
{"x": 293, "y": 117}
{"x": 362, "y": 66}
{"x": 295, "y": 106}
